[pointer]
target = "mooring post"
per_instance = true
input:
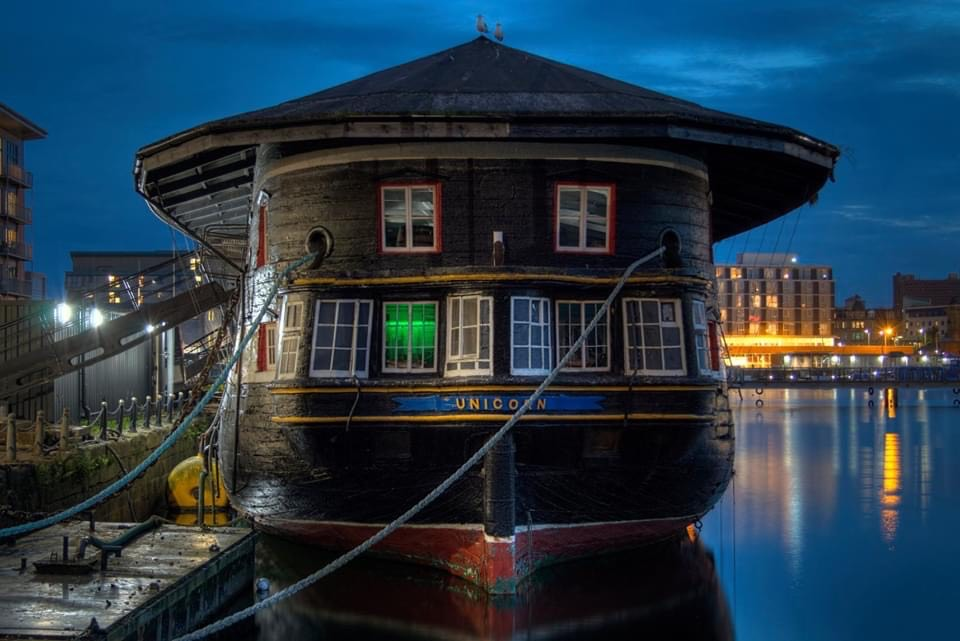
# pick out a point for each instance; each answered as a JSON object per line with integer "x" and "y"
{"x": 120, "y": 417}
{"x": 38, "y": 429}
{"x": 159, "y": 404}
{"x": 133, "y": 413}
{"x": 65, "y": 430}
{"x": 11, "y": 439}
{"x": 146, "y": 413}
{"x": 103, "y": 420}
{"x": 170, "y": 407}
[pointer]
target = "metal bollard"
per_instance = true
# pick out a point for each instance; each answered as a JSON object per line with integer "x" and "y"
{"x": 120, "y": 417}
{"x": 65, "y": 431}
{"x": 38, "y": 432}
{"x": 170, "y": 408}
{"x": 103, "y": 421}
{"x": 159, "y": 404}
{"x": 133, "y": 413}
{"x": 11, "y": 439}
{"x": 146, "y": 414}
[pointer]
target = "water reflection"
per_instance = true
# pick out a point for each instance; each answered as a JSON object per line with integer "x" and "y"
{"x": 839, "y": 496}
{"x": 671, "y": 588}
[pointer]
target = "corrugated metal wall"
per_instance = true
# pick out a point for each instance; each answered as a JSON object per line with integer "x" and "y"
{"x": 17, "y": 339}
{"x": 121, "y": 376}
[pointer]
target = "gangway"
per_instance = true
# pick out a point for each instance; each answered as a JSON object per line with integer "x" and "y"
{"x": 114, "y": 317}
{"x": 109, "y": 339}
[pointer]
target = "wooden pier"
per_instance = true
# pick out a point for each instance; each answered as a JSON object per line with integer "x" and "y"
{"x": 163, "y": 584}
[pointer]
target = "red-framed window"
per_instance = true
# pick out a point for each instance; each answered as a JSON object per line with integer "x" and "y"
{"x": 409, "y": 216}
{"x": 266, "y": 346}
{"x": 584, "y": 217}
{"x": 262, "y": 236}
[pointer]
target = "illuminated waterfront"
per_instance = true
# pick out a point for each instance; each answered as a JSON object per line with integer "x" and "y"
{"x": 832, "y": 529}
{"x": 841, "y": 512}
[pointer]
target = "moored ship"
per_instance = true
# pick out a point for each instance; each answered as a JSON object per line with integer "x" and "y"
{"x": 471, "y": 210}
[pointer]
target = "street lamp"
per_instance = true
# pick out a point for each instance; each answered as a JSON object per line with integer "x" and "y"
{"x": 886, "y": 332}
{"x": 868, "y": 335}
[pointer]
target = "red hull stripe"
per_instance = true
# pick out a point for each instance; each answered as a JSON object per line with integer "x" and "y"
{"x": 494, "y": 563}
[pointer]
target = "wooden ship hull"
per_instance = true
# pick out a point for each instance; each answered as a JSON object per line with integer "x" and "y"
{"x": 642, "y": 465}
{"x": 468, "y": 213}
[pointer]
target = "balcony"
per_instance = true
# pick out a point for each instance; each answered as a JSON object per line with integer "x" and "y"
{"x": 17, "y": 174}
{"x": 18, "y": 212}
{"x": 22, "y": 251}
{"x": 15, "y": 287}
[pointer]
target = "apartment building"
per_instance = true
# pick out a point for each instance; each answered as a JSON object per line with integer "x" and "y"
{"x": 16, "y": 280}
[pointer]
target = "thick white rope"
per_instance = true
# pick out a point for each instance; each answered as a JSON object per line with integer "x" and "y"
{"x": 342, "y": 560}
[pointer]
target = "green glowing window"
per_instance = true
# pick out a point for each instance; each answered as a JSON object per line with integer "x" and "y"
{"x": 409, "y": 337}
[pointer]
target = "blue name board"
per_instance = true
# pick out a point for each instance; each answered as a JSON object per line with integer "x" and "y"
{"x": 496, "y": 403}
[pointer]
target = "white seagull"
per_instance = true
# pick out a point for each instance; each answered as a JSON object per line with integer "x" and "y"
{"x": 481, "y": 25}
{"x": 498, "y": 33}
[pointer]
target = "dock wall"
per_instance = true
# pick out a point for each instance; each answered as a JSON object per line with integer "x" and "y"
{"x": 59, "y": 482}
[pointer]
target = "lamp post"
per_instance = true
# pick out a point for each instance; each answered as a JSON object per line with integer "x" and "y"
{"x": 868, "y": 335}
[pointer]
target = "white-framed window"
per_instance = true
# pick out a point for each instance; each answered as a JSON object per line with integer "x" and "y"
{"x": 410, "y": 218}
{"x": 469, "y": 335}
{"x": 700, "y": 333}
{"x": 289, "y": 346}
{"x": 572, "y": 318}
{"x": 293, "y": 315}
{"x": 530, "y": 335}
{"x": 341, "y": 338}
{"x": 271, "y": 345}
{"x": 410, "y": 337}
{"x": 654, "y": 336}
{"x": 584, "y": 218}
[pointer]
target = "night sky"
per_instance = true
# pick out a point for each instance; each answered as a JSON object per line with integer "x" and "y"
{"x": 881, "y": 80}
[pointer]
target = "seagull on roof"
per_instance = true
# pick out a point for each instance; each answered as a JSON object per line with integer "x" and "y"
{"x": 481, "y": 25}
{"x": 498, "y": 33}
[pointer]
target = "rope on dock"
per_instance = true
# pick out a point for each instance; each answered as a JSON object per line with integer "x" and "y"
{"x": 119, "y": 484}
{"x": 345, "y": 558}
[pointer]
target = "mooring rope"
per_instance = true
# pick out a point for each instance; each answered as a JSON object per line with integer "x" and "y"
{"x": 119, "y": 484}
{"x": 342, "y": 560}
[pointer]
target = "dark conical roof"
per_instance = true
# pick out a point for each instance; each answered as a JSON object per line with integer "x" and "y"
{"x": 483, "y": 90}
{"x": 485, "y": 78}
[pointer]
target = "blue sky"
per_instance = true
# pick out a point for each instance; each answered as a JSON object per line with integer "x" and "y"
{"x": 881, "y": 80}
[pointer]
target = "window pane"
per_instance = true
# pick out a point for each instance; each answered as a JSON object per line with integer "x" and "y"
{"x": 671, "y": 336}
{"x": 470, "y": 311}
{"x": 521, "y": 334}
{"x": 344, "y": 336}
{"x": 520, "y": 359}
{"x": 649, "y": 311}
{"x": 324, "y": 336}
{"x": 667, "y": 311}
{"x": 651, "y": 336}
{"x": 653, "y": 358}
{"x": 321, "y": 359}
{"x": 671, "y": 358}
{"x": 341, "y": 360}
{"x": 521, "y": 309}
{"x": 327, "y": 313}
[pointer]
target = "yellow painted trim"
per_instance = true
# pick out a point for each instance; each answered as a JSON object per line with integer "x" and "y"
{"x": 487, "y": 277}
{"x": 490, "y": 388}
{"x": 454, "y": 418}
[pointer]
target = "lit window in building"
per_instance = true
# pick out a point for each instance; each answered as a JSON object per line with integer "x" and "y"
{"x": 530, "y": 335}
{"x": 341, "y": 338}
{"x": 572, "y": 318}
{"x": 410, "y": 218}
{"x": 469, "y": 335}
{"x": 654, "y": 338}
{"x": 409, "y": 337}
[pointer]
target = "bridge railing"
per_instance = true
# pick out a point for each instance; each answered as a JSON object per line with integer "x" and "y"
{"x": 747, "y": 376}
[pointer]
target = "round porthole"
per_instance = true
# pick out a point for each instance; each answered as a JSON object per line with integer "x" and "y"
{"x": 319, "y": 242}
{"x": 670, "y": 241}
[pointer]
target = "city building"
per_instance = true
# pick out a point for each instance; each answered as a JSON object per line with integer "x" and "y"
{"x": 910, "y": 291}
{"x": 856, "y": 324}
{"x": 774, "y": 310}
{"x": 16, "y": 280}
{"x": 932, "y": 326}
{"x": 104, "y": 272}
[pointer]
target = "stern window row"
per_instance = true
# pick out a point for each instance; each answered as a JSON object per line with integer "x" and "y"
{"x": 652, "y": 330}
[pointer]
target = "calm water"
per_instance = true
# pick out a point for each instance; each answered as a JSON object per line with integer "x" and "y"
{"x": 838, "y": 525}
